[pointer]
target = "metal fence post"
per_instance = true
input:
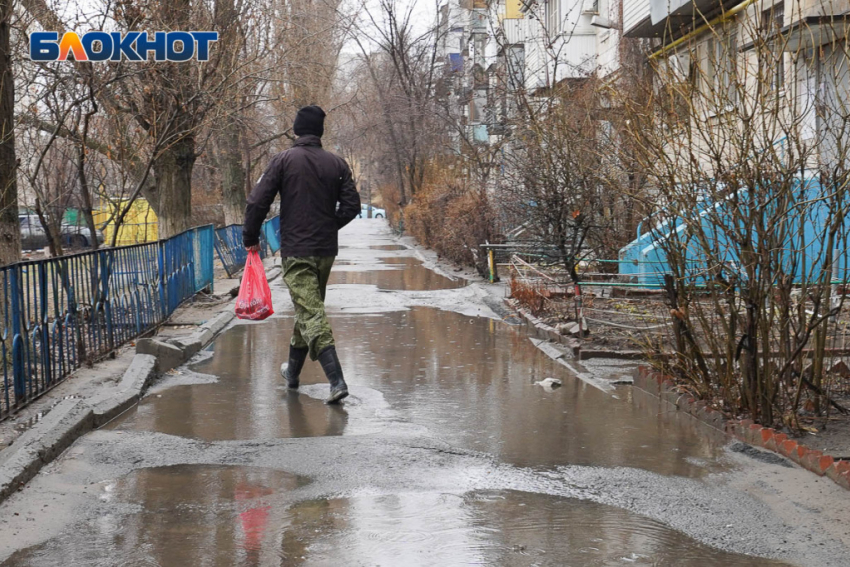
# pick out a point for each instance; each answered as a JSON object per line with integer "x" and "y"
{"x": 193, "y": 240}
{"x": 206, "y": 254}
{"x": 162, "y": 292}
{"x": 105, "y": 257}
{"x": 43, "y": 321}
{"x": 18, "y": 377}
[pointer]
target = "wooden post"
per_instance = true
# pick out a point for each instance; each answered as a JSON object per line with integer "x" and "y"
{"x": 673, "y": 299}
{"x": 492, "y": 257}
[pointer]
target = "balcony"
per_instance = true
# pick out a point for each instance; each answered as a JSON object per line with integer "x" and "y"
{"x": 519, "y": 30}
{"x": 479, "y": 22}
{"x": 636, "y": 18}
{"x": 821, "y": 8}
{"x": 668, "y": 18}
{"x": 808, "y": 32}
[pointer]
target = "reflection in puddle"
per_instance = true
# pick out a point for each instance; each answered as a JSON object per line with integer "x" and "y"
{"x": 469, "y": 381}
{"x": 247, "y": 402}
{"x": 492, "y": 528}
{"x": 238, "y": 516}
{"x": 388, "y": 247}
{"x": 411, "y": 275}
{"x": 182, "y": 515}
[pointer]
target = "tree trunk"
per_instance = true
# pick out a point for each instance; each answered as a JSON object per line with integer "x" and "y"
{"x": 232, "y": 175}
{"x": 10, "y": 230}
{"x": 54, "y": 238}
{"x": 172, "y": 190}
{"x": 88, "y": 215}
{"x": 85, "y": 190}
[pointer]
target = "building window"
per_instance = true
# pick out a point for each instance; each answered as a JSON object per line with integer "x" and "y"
{"x": 553, "y": 18}
{"x": 721, "y": 68}
{"x": 590, "y": 7}
{"x": 772, "y": 60}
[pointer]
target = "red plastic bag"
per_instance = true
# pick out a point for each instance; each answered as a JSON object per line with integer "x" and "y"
{"x": 255, "y": 297}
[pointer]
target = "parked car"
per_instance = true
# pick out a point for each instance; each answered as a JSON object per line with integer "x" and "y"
{"x": 376, "y": 212}
{"x": 33, "y": 236}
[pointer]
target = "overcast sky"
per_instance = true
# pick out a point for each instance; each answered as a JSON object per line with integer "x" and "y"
{"x": 424, "y": 12}
{"x": 87, "y": 14}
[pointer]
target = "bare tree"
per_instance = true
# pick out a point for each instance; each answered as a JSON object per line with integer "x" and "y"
{"x": 401, "y": 65}
{"x": 169, "y": 101}
{"x": 10, "y": 234}
{"x": 558, "y": 176}
{"x": 749, "y": 163}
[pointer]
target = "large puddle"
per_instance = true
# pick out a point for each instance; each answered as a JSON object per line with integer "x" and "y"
{"x": 495, "y": 528}
{"x": 404, "y": 273}
{"x": 180, "y": 516}
{"x": 469, "y": 381}
{"x": 201, "y": 515}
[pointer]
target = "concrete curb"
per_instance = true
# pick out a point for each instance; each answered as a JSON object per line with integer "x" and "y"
{"x": 72, "y": 418}
{"x": 615, "y": 354}
{"x": 44, "y": 442}
{"x": 744, "y": 430}
{"x": 136, "y": 380}
{"x": 273, "y": 273}
{"x": 560, "y": 357}
{"x": 176, "y": 351}
{"x": 546, "y": 332}
{"x": 69, "y": 420}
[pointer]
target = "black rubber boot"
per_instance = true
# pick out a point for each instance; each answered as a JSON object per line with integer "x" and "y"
{"x": 333, "y": 370}
{"x": 292, "y": 370}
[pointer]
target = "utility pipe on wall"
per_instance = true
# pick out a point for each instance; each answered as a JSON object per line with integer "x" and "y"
{"x": 725, "y": 16}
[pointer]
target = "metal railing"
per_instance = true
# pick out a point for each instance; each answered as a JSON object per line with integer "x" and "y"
{"x": 231, "y": 252}
{"x": 61, "y": 313}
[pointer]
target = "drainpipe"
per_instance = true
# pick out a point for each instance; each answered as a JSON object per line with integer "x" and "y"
{"x": 724, "y": 17}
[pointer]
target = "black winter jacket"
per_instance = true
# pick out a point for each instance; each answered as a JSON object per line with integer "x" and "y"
{"x": 310, "y": 182}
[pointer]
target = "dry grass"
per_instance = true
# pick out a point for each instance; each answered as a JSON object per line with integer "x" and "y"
{"x": 452, "y": 218}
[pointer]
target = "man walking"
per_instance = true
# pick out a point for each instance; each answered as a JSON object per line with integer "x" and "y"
{"x": 311, "y": 183}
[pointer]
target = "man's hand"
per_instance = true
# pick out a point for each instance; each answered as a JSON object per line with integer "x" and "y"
{"x": 253, "y": 248}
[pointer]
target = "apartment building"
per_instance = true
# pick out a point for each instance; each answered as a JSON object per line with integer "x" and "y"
{"x": 498, "y": 47}
{"x": 468, "y": 50}
{"x": 560, "y": 39}
{"x": 788, "y": 56}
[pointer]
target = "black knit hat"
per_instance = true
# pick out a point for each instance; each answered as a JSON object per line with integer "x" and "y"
{"x": 309, "y": 120}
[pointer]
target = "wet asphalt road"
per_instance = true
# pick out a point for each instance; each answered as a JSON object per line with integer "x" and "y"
{"x": 447, "y": 453}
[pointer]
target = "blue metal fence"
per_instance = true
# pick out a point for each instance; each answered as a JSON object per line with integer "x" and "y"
{"x": 61, "y": 313}
{"x": 231, "y": 252}
{"x": 271, "y": 232}
{"x": 203, "y": 246}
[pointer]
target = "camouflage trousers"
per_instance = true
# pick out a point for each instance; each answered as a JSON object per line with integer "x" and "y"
{"x": 307, "y": 280}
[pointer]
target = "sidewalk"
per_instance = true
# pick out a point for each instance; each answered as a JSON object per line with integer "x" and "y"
{"x": 92, "y": 396}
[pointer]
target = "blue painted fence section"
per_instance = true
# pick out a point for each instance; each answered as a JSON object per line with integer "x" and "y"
{"x": 231, "y": 252}
{"x": 61, "y": 313}
{"x": 203, "y": 246}
{"x": 271, "y": 232}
